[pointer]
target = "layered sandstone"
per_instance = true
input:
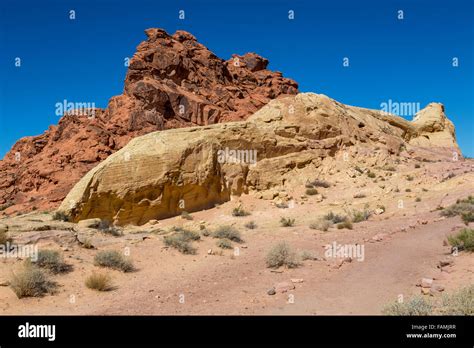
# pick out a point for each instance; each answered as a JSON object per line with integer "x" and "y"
{"x": 173, "y": 81}
{"x": 163, "y": 173}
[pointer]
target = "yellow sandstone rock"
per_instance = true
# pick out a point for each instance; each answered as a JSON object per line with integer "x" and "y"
{"x": 161, "y": 174}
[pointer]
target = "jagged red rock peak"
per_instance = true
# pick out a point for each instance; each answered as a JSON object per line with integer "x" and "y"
{"x": 172, "y": 81}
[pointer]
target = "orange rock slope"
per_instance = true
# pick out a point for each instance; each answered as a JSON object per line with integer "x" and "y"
{"x": 173, "y": 81}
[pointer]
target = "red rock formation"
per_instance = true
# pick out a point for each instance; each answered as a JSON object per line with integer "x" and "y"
{"x": 172, "y": 81}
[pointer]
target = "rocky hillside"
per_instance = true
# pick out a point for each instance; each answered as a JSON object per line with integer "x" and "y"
{"x": 284, "y": 144}
{"x": 173, "y": 81}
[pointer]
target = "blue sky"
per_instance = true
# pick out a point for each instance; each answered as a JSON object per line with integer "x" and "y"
{"x": 82, "y": 60}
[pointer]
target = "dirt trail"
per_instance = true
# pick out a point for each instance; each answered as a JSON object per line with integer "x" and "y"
{"x": 390, "y": 268}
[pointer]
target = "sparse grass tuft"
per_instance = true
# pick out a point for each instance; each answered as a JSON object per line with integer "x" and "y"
{"x": 345, "y": 224}
{"x": 282, "y": 205}
{"x": 287, "y": 222}
{"x": 99, "y": 282}
{"x": 4, "y": 238}
{"x": 113, "y": 259}
{"x": 31, "y": 281}
{"x": 320, "y": 183}
{"x": 186, "y": 216}
{"x": 449, "y": 176}
{"x": 181, "y": 240}
{"x": 227, "y": 232}
{"x": 467, "y": 217}
{"x": 463, "y": 240}
{"x": 335, "y": 218}
{"x": 224, "y": 243}
{"x": 60, "y": 216}
{"x": 359, "y": 216}
{"x": 415, "y": 306}
{"x": 240, "y": 211}
{"x": 307, "y": 255}
{"x": 460, "y": 302}
{"x": 390, "y": 168}
{"x": 463, "y": 207}
{"x": 107, "y": 228}
{"x": 251, "y": 225}
{"x": 311, "y": 191}
{"x": 321, "y": 225}
{"x": 282, "y": 255}
{"x": 52, "y": 261}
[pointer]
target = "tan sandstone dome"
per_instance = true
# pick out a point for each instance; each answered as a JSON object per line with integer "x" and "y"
{"x": 161, "y": 174}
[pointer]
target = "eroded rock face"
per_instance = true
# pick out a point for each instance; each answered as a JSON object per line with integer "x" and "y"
{"x": 163, "y": 173}
{"x": 172, "y": 81}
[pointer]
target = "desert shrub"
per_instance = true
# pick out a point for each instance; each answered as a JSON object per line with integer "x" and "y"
{"x": 307, "y": 255}
{"x": 449, "y": 176}
{"x": 308, "y": 185}
{"x": 397, "y": 190}
{"x": 407, "y": 190}
{"x": 205, "y": 232}
{"x": 463, "y": 207}
{"x": 31, "y": 281}
{"x": 181, "y": 240}
{"x": 415, "y": 306}
{"x": 311, "y": 191}
{"x": 320, "y": 225}
{"x": 359, "y": 195}
{"x": 359, "y": 216}
{"x": 287, "y": 222}
{"x": 346, "y": 224}
{"x": 417, "y": 165}
{"x": 185, "y": 215}
{"x": 409, "y": 178}
{"x": 424, "y": 189}
{"x": 467, "y": 217}
{"x": 105, "y": 227}
{"x": 371, "y": 174}
{"x": 240, "y": 211}
{"x": 460, "y": 302}
{"x": 390, "y": 168}
{"x": 227, "y": 232}
{"x": 463, "y": 240}
{"x": 282, "y": 205}
{"x": 251, "y": 225}
{"x": 282, "y": 255}
{"x": 99, "y": 282}
{"x": 335, "y": 218}
{"x": 320, "y": 183}
{"x": 113, "y": 259}
{"x": 418, "y": 199}
{"x": 87, "y": 244}
{"x": 4, "y": 238}
{"x": 224, "y": 243}
{"x": 52, "y": 261}
{"x": 60, "y": 216}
